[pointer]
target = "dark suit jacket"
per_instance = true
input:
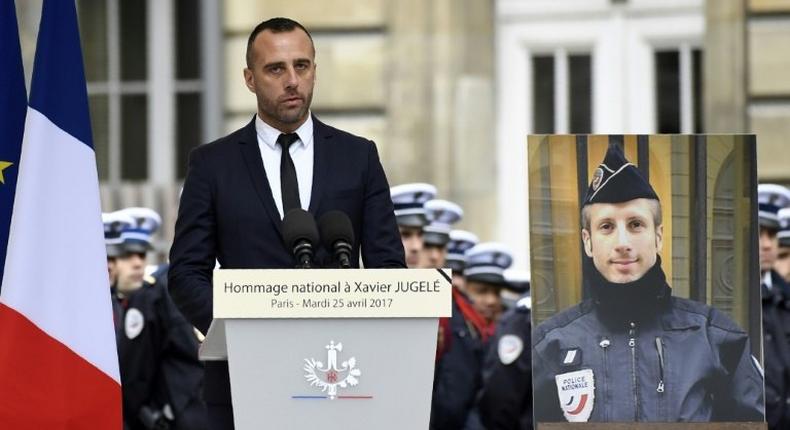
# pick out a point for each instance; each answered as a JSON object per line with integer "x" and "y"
{"x": 227, "y": 213}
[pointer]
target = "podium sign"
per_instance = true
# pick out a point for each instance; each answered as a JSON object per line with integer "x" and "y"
{"x": 331, "y": 293}
{"x": 333, "y": 349}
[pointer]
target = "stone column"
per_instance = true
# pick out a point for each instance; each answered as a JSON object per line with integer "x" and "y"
{"x": 724, "y": 67}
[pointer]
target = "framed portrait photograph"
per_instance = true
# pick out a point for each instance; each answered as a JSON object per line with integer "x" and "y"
{"x": 645, "y": 278}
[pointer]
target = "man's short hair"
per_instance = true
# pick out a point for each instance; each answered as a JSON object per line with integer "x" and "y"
{"x": 655, "y": 207}
{"x": 275, "y": 25}
{"x": 773, "y": 232}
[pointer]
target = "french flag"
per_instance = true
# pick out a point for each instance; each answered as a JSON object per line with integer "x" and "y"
{"x": 58, "y": 360}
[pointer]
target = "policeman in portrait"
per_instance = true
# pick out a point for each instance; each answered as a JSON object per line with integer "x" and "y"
{"x": 442, "y": 214}
{"x": 632, "y": 351}
{"x": 409, "y": 202}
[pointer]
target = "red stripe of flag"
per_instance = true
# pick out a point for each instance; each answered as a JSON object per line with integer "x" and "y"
{"x": 47, "y": 386}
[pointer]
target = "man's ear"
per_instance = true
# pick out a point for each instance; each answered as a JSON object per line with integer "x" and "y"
{"x": 587, "y": 243}
{"x": 659, "y": 237}
{"x": 249, "y": 79}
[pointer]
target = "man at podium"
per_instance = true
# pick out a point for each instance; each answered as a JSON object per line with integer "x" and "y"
{"x": 238, "y": 188}
{"x": 633, "y": 352}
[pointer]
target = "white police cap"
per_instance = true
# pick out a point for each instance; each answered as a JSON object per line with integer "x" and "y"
{"x": 771, "y": 198}
{"x": 784, "y": 227}
{"x": 486, "y": 262}
{"x": 138, "y": 237}
{"x": 441, "y": 215}
{"x": 460, "y": 242}
{"x": 114, "y": 225}
{"x": 408, "y": 200}
{"x": 517, "y": 280}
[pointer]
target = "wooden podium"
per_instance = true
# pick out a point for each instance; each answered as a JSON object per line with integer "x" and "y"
{"x": 328, "y": 348}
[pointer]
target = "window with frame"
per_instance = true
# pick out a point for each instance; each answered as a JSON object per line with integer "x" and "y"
{"x": 678, "y": 87}
{"x": 562, "y": 93}
{"x": 125, "y": 77}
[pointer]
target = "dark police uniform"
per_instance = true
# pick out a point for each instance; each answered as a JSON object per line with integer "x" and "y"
{"x": 157, "y": 352}
{"x": 772, "y": 198}
{"x": 684, "y": 362}
{"x": 776, "y": 357}
{"x": 632, "y": 352}
{"x": 505, "y": 401}
{"x": 161, "y": 376}
{"x": 457, "y": 376}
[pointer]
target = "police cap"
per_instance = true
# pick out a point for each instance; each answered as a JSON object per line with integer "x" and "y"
{"x": 616, "y": 180}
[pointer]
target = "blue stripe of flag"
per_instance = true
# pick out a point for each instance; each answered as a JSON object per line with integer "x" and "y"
{"x": 13, "y": 106}
{"x": 58, "y": 87}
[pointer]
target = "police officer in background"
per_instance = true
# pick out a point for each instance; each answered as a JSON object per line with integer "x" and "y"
{"x": 408, "y": 201}
{"x": 505, "y": 401}
{"x": 458, "y": 374}
{"x": 633, "y": 352}
{"x": 161, "y": 376}
{"x": 776, "y": 308}
{"x": 442, "y": 214}
{"x": 782, "y": 264}
{"x": 485, "y": 266}
{"x": 460, "y": 242}
{"x": 771, "y": 198}
{"x": 516, "y": 289}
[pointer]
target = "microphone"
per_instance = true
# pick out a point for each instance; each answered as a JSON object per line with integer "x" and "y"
{"x": 338, "y": 236}
{"x": 300, "y": 236}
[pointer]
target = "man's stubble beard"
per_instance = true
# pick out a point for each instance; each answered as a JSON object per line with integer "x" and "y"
{"x": 276, "y": 111}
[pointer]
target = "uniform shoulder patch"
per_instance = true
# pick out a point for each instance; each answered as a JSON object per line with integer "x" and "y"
{"x": 509, "y": 348}
{"x": 524, "y": 304}
{"x": 576, "y": 392}
{"x": 133, "y": 323}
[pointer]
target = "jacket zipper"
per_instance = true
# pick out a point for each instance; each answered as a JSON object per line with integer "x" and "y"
{"x": 604, "y": 344}
{"x": 632, "y": 345}
{"x": 660, "y": 388}
{"x": 660, "y": 349}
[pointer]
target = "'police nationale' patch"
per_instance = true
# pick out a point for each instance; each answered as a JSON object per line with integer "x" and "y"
{"x": 509, "y": 348}
{"x": 576, "y": 392}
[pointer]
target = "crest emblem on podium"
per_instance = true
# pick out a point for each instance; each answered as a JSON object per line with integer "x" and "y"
{"x": 331, "y": 377}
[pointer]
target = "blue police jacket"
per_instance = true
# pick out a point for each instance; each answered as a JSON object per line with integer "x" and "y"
{"x": 676, "y": 360}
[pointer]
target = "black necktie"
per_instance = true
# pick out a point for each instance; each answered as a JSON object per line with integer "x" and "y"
{"x": 288, "y": 183}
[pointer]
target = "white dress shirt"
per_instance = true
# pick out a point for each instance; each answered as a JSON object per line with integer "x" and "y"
{"x": 767, "y": 280}
{"x": 301, "y": 153}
